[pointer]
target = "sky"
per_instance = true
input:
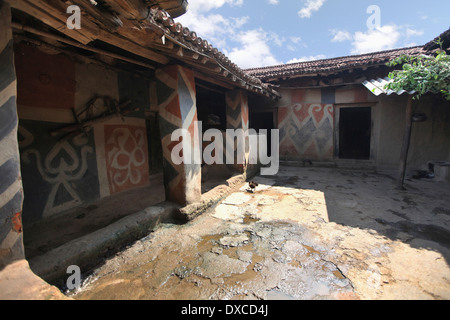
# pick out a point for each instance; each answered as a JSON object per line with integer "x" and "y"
{"x": 259, "y": 33}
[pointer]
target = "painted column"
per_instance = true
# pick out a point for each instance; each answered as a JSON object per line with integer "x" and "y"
{"x": 238, "y": 119}
{"x": 11, "y": 194}
{"x": 176, "y": 94}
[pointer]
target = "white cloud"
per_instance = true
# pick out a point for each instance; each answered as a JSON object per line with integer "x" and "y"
{"x": 383, "y": 38}
{"x": 379, "y": 39}
{"x": 340, "y": 35}
{"x": 296, "y": 39}
{"x": 246, "y": 48}
{"x": 208, "y": 5}
{"x": 413, "y": 33}
{"x": 211, "y": 26}
{"x": 253, "y": 51}
{"x": 307, "y": 58}
{"x": 274, "y": 2}
{"x": 310, "y": 7}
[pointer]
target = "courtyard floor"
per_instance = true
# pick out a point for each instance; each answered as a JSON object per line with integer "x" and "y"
{"x": 307, "y": 233}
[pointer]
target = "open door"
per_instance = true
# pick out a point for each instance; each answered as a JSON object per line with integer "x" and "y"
{"x": 355, "y": 128}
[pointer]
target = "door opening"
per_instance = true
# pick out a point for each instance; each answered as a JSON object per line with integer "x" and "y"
{"x": 264, "y": 120}
{"x": 355, "y": 126}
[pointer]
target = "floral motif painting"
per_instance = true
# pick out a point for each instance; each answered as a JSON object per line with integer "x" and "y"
{"x": 126, "y": 157}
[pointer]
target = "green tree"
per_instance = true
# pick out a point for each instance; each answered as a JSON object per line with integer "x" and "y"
{"x": 422, "y": 74}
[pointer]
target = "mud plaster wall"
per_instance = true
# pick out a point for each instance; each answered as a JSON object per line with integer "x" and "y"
{"x": 306, "y": 119}
{"x": 11, "y": 195}
{"x": 111, "y": 157}
{"x": 430, "y": 140}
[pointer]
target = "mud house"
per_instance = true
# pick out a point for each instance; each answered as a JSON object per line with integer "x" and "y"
{"x": 88, "y": 110}
{"x": 336, "y": 112}
{"x": 86, "y": 114}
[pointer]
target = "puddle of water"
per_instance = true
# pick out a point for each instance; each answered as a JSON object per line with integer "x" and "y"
{"x": 249, "y": 219}
{"x": 296, "y": 264}
{"x": 338, "y": 275}
{"x": 311, "y": 250}
{"x": 209, "y": 241}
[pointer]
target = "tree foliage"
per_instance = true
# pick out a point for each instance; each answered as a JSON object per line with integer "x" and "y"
{"x": 422, "y": 74}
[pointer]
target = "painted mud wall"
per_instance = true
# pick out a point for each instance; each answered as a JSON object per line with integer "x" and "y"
{"x": 308, "y": 126}
{"x": 63, "y": 170}
{"x": 306, "y": 123}
{"x": 11, "y": 194}
{"x": 176, "y": 99}
{"x": 238, "y": 119}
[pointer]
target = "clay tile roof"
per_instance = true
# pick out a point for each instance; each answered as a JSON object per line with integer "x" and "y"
{"x": 445, "y": 37}
{"x": 327, "y": 66}
{"x": 190, "y": 40}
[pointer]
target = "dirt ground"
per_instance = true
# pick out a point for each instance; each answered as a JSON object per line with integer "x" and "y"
{"x": 307, "y": 233}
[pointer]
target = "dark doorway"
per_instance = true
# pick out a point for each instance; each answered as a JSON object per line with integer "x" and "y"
{"x": 263, "y": 120}
{"x": 355, "y": 126}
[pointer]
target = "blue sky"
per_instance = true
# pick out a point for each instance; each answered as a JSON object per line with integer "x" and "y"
{"x": 256, "y": 33}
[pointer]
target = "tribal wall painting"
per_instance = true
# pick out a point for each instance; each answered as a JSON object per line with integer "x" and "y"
{"x": 59, "y": 174}
{"x": 306, "y": 123}
{"x": 306, "y": 131}
{"x": 11, "y": 193}
{"x": 126, "y": 157}
{"x": 238, "y": 118}
{"x": 178, "y": 110}
{"x": 122, "y": 155}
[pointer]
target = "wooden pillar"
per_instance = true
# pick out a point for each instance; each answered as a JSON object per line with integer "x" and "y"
{"x": 406, "y": 144}
{"x": 176, "y": 95}
{"x": 238, "y": 119}
{"x": 11, "y": 192}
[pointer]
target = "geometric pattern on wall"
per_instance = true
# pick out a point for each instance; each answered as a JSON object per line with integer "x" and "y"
{"x": 238, "y": 118}
{"x": 306, "y": 131}
{"x": 177, "y": 110}
{"x": 11, "y": 194}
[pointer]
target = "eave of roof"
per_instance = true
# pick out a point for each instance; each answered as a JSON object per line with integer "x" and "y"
{"x": 444, "y": 37}
{"x": 226, "y": 69}
{"x": 329, "y": 66}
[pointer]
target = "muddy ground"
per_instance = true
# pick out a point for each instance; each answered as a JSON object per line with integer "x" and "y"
{"x": 307, "y": 233}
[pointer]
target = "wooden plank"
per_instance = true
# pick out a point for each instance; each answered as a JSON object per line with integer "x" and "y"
{"x": 130, "y": 9}
{"x": 50, "y": 20}
{"x": 79, "y": 45}
{"x": 125, "y": 44}
{"x": 59, "y": 10}
{"x": 212, "y": 80}
{"x": 56, "y": 18}
{"x": 107, "y": 18}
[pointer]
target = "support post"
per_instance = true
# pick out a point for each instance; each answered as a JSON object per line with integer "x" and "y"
{"x": 11, "y": 191}
{"x": 406, "y": 144}
{"x": 238, "y": 119}
{"x": 176, "y": 95}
